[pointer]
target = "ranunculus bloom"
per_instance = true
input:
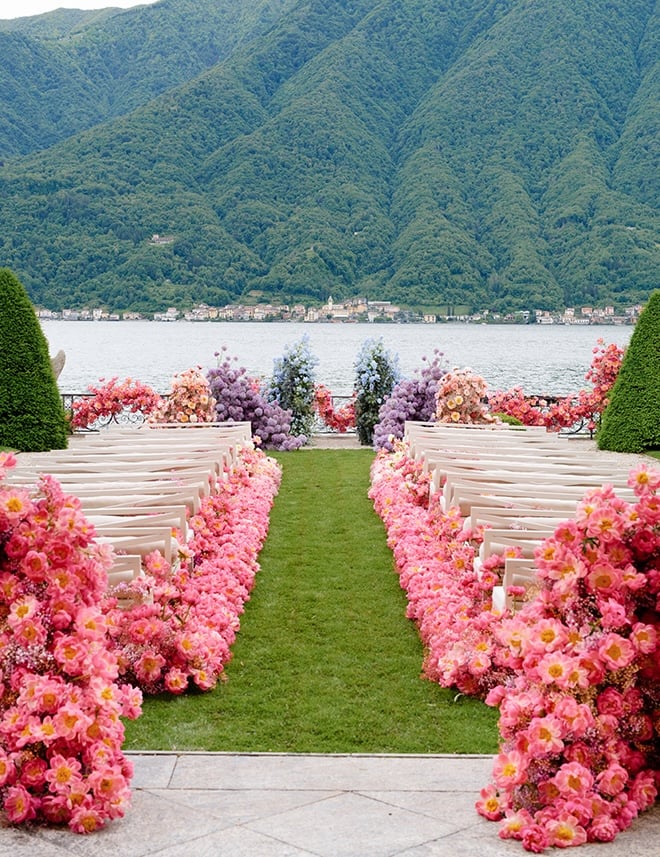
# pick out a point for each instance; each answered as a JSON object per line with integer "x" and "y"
{"x": 535, "y": 838}
{"x": 19, "y": 805}
{"x": 603, "y": 829}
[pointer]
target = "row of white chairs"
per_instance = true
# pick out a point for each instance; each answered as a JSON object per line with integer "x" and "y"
{"x": 139, "y": 485}
{"x": 518, "y": 483}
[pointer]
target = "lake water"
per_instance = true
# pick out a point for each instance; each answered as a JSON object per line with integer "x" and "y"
{"x": 550, "y": 359}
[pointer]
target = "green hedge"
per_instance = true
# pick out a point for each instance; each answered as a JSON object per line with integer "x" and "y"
{"x": 631, "y": 421}
{"x": 32, "y": 417}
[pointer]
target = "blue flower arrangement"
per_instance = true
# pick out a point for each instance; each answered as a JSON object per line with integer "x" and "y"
{"x": 376, "y": 373}
{"x": 292, "y": 385}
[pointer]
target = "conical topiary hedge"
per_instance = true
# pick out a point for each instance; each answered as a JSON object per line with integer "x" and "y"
{"x": 631, "y": 421}
{"x": 32, "y": 417}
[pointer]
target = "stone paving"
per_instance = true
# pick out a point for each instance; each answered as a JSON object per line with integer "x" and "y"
{"x": 278, "y": 805}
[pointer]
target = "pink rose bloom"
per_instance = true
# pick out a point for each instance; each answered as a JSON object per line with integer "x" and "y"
{"x": 514, "y": 824}
{"x": 616, "y": 651}
{"x": 613, "y": 614}
{"x": 19, "y": 805}
{"x": 490, "y": 804}
{"x": 643, "y": 790}
{"x": 7, "y": 769}
{"x": 628, "y": 812}
{"x": 55, "y": 809}
{"x": 547, "y": 635}
{"x": 565, "y": 831}
{"x": 35, "y": 565}
{"x": 33, "y": 772}
{"x": 574, "y": 779}
{"x": 577, "y": 715}
{"x": 612, "y": 780}
{"x": 545, "y": 736}
{"x": 535, "y": 839}
{"x": 70, "y": 653}
{"x": 86, "y": 819}
{"x": 644, "y": 638}
{"x": 149, "y": 666}
{"x": 176, "y": 681}
{"x": 610, "y": 701}
{"x": 603, "y": 829}
{"x": 509, "y": 769}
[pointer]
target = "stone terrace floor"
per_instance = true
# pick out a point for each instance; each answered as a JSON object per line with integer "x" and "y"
{"x": 274, "y": 805}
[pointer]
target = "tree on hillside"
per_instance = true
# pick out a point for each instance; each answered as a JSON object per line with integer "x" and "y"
{"x": 32, "y": 417}
{"x": 631, "y": 421}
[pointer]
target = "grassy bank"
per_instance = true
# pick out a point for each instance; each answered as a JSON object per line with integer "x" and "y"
{"x": 325, "y": 660}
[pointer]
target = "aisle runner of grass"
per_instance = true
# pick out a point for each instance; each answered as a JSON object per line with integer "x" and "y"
{"x": 325, "y": 660}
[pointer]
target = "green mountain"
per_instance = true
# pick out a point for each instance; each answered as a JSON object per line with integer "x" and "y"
{"x": 493, "y": 154}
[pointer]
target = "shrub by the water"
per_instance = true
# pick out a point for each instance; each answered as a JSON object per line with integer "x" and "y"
{"x": 631, "y": 421}
{"x": 32, "y": 417}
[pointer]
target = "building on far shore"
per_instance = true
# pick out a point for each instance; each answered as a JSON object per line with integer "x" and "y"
{"x": 355, "y": 309}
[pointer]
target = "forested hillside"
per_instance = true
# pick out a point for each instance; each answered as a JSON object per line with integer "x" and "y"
{"x": 494, "y": 154}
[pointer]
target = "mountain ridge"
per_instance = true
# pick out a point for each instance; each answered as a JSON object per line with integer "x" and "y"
{"x": 484, "y": 154}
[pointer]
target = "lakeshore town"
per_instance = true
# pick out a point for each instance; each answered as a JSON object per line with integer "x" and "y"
{"x": 353, "y": 310}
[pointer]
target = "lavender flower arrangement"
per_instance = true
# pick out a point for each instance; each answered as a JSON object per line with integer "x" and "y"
{"x": 239, "y": 397}
{"x": 292, "y": 385}
{"x": 411, "y": 399}
{"x": 376, "y": 373}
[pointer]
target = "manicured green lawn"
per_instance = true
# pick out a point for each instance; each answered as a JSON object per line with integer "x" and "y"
{"x": 325, "y": 660}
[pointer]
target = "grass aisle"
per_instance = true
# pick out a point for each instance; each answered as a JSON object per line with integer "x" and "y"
{"x": 325, "y": 660}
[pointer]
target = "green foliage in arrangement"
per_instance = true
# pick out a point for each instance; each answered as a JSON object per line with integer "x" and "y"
{"x": 32, "y": 417}
{"x": 482, "y": 155}
{"x": 631, "y": 421}
{"x": 508, "y": 419}
{"x": 325, "y": 660}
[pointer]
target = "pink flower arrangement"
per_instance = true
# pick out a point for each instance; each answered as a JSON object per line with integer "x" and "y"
{"x": 586, "y": 407}
{"x": 580, "y": 715}
{"x": 189, "y": 400}
{"x": 60, "y": 703}
{"x": 338, "y": 419}
{"x": 434, "y": 556}
{"x": 575, "y": 673}
{"x": 461, "y": 398}
{"x": 529, "y": 410}
{"x": 111, "y": 399}
{"x": 184, "y": 617}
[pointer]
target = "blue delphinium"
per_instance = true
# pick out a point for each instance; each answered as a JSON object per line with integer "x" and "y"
{"x": 411, "y": 399}
{"x": 376, "y": 373}
{"x": 292, "y": 385}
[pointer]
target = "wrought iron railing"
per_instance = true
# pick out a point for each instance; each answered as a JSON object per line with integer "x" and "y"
{"x": 128, "y": 417}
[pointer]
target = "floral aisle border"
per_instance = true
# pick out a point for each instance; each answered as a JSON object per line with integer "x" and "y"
{"x": 60, "y": 700}
{"x": 184, "y": 616}
{"x": 575, "y": 672}
{"x": 72, "y": 662}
